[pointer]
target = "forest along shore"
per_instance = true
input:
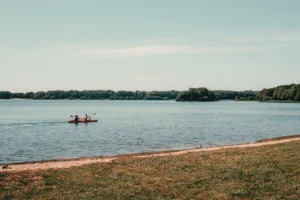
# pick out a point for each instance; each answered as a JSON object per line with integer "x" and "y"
{"x": 66, "y": 163}
{"x": 282, "y": 93}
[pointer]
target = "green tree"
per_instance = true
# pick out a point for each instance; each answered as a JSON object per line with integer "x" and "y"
{"x": 39, "y": 95}
{"x": 196, "y": 94}
{"x": 29, "y": 95}
{"x": 5, "y": 95}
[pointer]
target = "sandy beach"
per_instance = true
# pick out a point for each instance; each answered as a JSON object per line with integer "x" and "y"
{"x": 66, "y": 163}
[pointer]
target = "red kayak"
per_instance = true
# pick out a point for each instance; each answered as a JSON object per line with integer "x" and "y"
{"x": 82, "y": 121}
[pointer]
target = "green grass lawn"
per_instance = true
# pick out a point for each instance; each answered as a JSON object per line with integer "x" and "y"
{"x": 267, "y": 172}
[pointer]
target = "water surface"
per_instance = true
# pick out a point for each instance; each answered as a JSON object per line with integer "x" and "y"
{"x": 32, "y": 130}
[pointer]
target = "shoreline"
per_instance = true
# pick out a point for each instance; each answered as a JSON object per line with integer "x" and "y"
{"x": 258, "y": 101}
{"x": 74, "y": 162}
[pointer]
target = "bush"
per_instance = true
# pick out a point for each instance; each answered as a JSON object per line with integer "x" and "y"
{"x": 53, "y": 97}
{"x": 267, "y": 98}
{"x": 83, "y": 98}
{"x": 153, "y": 98}
{"x": 251, "y": 98}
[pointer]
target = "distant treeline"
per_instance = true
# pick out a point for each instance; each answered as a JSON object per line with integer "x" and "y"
{"x": 236, "y": 95}
{"x": 280, "y": 93}
{"x": 193, "y": 94}
{"x": 93, "y": 94}
{"x": 203, "y": 94}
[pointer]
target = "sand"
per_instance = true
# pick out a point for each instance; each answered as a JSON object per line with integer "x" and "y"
{"x": 58, "y": 164}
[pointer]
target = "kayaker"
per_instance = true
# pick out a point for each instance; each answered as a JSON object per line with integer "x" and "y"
{"x": 76, "y": 118}
{"x": 86, "y": 117}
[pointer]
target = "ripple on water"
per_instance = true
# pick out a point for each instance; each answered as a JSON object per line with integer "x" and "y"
{"x": 40, "y": 132}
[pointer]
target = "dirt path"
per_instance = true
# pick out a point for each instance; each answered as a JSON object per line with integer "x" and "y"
{"x": 84, "y": 161}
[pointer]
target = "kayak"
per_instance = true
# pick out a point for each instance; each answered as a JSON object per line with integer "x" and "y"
{"x": 81, "y": 121}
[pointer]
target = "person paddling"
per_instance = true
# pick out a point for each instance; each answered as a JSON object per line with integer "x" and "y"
{"x": 76, "y": 118}
{"x": 86, "y": 118}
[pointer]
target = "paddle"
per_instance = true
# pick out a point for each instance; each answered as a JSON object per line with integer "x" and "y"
{"x": 74, "y": 116}
{"x": 90, "y": 116}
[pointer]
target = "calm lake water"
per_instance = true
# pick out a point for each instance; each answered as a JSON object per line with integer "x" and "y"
{"x": 32, "y": 130}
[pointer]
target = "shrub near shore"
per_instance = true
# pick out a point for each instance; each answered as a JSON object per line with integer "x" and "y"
{"x": 267, "y": 172}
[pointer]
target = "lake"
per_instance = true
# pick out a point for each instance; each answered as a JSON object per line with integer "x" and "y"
{"x": 33, "y": 130}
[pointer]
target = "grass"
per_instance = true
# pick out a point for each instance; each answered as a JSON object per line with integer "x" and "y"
{"x": 267, "y": 172}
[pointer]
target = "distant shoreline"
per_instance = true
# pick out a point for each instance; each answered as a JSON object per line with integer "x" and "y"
{"x": 278, "y": 101}
{"x": 280, "y": 94}
{"x": 268, "y": 101}
{"x": 18, "y": 99}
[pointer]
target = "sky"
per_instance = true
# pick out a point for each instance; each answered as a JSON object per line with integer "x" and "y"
{"x": 148, "y": 44}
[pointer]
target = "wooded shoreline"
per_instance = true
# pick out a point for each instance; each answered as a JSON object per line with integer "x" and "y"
{"x": 283, "y": 93}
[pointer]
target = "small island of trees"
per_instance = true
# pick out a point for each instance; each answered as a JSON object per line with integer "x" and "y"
{"x": 196, "y": 94}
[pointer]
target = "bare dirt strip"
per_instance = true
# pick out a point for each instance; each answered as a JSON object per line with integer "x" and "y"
{"x": 57, "y": 164}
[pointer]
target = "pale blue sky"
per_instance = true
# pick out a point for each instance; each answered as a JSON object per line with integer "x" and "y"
{"x": 148, "y": 45}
